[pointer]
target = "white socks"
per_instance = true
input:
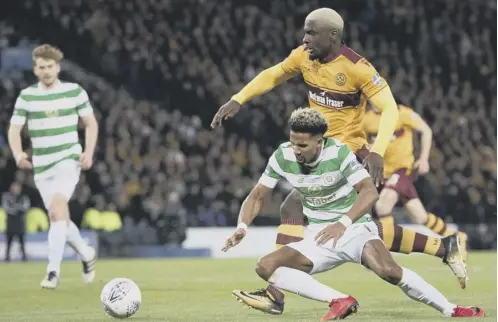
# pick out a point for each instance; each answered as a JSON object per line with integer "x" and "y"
{"x": 301, "y": 283}
{"x": 419, "y": 290}
{"x": 76, "y": 242}
{"x": 60, "y": 233}
{"x": 56, "y": 242}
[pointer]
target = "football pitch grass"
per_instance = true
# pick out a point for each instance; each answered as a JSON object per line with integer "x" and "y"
{"x": 200, "y": 290}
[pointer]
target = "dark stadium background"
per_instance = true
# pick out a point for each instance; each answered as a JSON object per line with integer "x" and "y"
{"x": 157, "y": 71}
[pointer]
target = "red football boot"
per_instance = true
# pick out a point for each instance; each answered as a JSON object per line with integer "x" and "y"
{"x": 341, "y": 308}
{"x": 464, "y": 312}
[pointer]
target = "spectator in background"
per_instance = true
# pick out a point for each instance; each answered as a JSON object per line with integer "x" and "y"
{"x": 183, "y": 59}
{"x": 15, "y": 204}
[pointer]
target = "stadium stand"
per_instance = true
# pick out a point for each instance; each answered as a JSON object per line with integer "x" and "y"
{"x": 160, "y": 80}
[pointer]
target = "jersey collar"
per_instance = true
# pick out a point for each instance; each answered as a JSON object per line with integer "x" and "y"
{"x": 48, "y": 90}
{"x": 315, "y": 163}
{"x": 340, "y": 52}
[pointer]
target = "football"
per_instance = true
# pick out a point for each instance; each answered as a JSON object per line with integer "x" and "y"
{"x": 121, "y": 298}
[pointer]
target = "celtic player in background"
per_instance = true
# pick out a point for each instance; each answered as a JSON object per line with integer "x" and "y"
{"x": 337, "y": 194}
{"x": 51, "y": 108}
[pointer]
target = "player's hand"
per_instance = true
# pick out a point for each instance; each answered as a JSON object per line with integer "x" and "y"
{"x": 86, "y": 160}
{"x": 228, "y": 110}
{"x": 422, "y": 165}
{"x": 233, "y": 241}
{"x": 331, "y": 232}
{"x": 22, "y": 161}
{"x": 374, "y": 163}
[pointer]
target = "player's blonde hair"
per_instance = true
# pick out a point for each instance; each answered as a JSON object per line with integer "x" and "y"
{"x": 47, "y": 51}
{"x": 307, "y": 120}
{"x": 328, "y": 17}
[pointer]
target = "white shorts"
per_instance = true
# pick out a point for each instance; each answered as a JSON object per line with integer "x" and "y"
{"x": 63, "y": 180}
{"x": 347, "y": 250}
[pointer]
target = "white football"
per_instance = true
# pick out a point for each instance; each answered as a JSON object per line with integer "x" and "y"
{"x": 121, "y": 298}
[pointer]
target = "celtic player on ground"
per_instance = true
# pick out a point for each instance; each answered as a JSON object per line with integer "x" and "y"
{"x": 52, "y": 108}
{"x": 337, "y": 193}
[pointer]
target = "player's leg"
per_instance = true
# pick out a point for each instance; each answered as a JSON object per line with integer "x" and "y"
{"x": 291, "y": 230}
{"x": 74, "y": 238}
{"x": 291, "y": 227}
{"x": 57, "y": 234}
{"x": 416, "y": 210}
{"x": 10, "y": 237}
{"x": 289, "y": 268}
{"x": 399, "y": 239}
{"x": 418, "y": 215}
{"x": 20, "y": 237}
{"x": 383, "y": 208}
{"x": 403, "y": 240}
{"x": 377, "y": 258}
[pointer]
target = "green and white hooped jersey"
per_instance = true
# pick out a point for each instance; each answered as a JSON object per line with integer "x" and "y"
{"x": 52, "y": 117}
{"x": 327, "y": 193}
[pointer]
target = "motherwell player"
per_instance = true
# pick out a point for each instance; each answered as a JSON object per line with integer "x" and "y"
{"x": 339, "y": 84}
{"x": 400, "y": 169}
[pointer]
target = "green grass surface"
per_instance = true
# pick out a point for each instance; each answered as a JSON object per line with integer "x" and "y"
{"x": 200, "y": 290}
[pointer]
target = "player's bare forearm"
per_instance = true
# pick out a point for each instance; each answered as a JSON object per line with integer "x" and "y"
{"x": 262, "y": 83}
{"x": 252, "y": 204}
{"x": 367, "y": 196}
{"x": 14, "y": 137}
{"x": 384, "y": 101}
{"x": 425, "y": 144}
{"x": 91, "y": 132}
{"x": 425, "y": 139}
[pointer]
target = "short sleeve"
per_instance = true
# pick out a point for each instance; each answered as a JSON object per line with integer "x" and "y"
{"x": 409, "y": 117}
{"x": 83, "y": 106}
{"x": 292, "y": 64}
{"x": 350, "y": 168}
{"x": 368, "y": 79}
{"x": 20, "y": 112}
{"x": 272, "y": 173}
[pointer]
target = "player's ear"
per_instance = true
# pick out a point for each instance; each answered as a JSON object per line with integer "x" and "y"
{"x": 336, "y": 35}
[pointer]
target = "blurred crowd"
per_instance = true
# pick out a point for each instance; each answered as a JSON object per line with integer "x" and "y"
{"x": 166, "y": 66}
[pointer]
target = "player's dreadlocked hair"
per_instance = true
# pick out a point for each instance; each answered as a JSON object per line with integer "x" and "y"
{"x": 307, "y": 120}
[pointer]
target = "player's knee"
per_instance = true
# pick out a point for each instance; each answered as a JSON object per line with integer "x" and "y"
{"x": 265, "y": 268}
{"x": 58, "y": 208}
{"x": 386, "y": 202}
{"x": 382, "y": 209}
{"x": 390, "y": 272}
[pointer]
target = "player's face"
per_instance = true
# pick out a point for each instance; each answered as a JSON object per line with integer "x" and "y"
{"x": 47, "y": 71}
{"x": 317, "y": 39}
{"x": 306, "y": 147}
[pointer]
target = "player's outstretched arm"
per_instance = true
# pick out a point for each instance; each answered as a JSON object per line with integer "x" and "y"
{"x": 376, "y": 89}
{"x": 374, "y": 162}
{"x": 261, "y": 84}
{"x": 385, "y": 102}
{"x": 249, "y": 210}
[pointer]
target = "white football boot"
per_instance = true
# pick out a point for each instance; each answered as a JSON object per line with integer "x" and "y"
{"x": 89, "y": 267}
{"x": 50, "y": 281}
